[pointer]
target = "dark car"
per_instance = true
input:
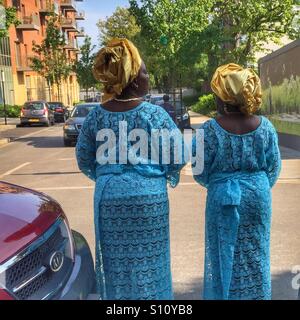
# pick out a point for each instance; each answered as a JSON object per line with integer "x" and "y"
{"x": 182, "y": 115}
{"x": 61, "y": 113}
{"x": 74, "y": 123}
{"x": 37, "y": 112}
{"x": 183, "y": 120}
{"x": 41, "y": 258}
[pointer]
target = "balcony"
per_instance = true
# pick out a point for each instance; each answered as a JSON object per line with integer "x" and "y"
{"x": 68, "y": 24}
{"x": 48, "y": 6}
{"x": 23, "y": 63}
{"x": 71, "y": 45}
{"x": 80, "y": 33}
{"x": 29, "y": 23}
{"x": 80, "y": 15}
{"x": 68, "y": 5}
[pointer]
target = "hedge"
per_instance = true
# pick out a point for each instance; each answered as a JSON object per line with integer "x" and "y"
{"x": 206, "y": 105}
{"x": 12, "y": 111}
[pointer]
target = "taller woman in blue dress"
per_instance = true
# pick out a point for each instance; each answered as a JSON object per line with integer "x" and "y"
{"x": 131, "y": 200}
{"x": 241, "y": 165}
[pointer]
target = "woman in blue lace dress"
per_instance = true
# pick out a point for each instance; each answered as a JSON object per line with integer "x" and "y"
{"x": 241, "y": 165}
{"x": 131, "y": 200}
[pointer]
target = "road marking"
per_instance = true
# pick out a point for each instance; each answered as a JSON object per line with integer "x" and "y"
{"x": 65, "y": 188}
{"x": 25, "y": 136}
{"x": 7, "y": 173}
{"x": 67, "y": 159}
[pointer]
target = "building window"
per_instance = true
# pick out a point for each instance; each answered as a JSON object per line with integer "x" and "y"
{"x": 5, "y": 54}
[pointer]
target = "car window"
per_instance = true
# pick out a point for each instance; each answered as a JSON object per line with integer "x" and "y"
{"x": 55, "y": 105}
{"x": 82, "y": 111}
{"x": 34, "y": 106}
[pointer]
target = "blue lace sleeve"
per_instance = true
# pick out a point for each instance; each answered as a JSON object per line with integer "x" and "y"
{"x": 210, "y": 145}
{"x": 178, "y": 159}
{"x": 86, "y": 147}
{"x": 273, "y": 157}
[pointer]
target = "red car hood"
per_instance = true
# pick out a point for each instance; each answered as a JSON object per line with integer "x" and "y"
{"x": 24, "y": 216}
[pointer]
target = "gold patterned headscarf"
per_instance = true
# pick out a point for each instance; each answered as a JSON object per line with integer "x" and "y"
{"x": 117, "y": 65}
{"x": 238, "y": 86}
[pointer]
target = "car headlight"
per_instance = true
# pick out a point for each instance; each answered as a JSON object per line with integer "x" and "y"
{"x": 69, "y": 127}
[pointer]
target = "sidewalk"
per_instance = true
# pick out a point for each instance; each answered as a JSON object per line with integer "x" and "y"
{"x": 197, "y": 119}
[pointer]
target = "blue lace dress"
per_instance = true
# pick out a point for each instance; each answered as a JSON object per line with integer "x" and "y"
{"x": 239, "y": 172}
{"x": 131, "y": 209}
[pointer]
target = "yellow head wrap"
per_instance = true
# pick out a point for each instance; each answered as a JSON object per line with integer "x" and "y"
{"x": 117, "y": 65}
{"x": 238, "y": 86}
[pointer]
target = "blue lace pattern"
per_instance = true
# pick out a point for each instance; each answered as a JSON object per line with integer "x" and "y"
{"x": 131, "y": 209}
{"x": 239, "y": 172}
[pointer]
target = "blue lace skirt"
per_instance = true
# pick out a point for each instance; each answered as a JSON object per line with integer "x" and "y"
{"x": 132, "y": 238}
{"x": 237, "y": 244}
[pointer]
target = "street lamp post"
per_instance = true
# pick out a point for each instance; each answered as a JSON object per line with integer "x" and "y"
{"x": 3, "y": 95}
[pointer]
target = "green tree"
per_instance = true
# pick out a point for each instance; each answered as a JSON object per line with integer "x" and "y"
{"x": 121, "y": 24}
{"x": 51, "y": 61}
{"x": 8, "y": 16}
{"x": 238, "y": 29}
{"x": 84, "y": 66}
{"x": 166, "y": 27}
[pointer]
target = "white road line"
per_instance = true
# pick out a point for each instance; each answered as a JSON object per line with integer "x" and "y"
{"x": 7, "y": 173}
{"x": 67, "y": 159}
{"x": 65, "y": 188}
{"x": 281, "y": 181}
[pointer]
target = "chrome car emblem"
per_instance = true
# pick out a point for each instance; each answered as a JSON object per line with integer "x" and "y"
{"x": 56, "y": 261}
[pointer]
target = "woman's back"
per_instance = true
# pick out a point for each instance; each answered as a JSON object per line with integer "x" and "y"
{"x": 228, "y": 152}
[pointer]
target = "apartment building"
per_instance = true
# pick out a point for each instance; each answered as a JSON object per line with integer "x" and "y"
{"x": 21, "y": 82}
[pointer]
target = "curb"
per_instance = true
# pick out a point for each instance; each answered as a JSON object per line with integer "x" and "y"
{"x": 4, "y": 141}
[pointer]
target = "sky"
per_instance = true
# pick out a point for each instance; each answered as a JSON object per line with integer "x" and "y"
{"x": 95, "y": 10}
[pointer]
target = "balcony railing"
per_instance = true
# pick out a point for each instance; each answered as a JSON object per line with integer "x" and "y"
{"x": 24, "y": 63}
{"x": 68, "y": 5}
{"x": 80, "y": 32}
{"x": 80, "y": 15}
{"x": 71, "y": 45}
{"x": 68, "y": 24}
{"x": 29, "y": 23}
{"x": 48, "y": 6}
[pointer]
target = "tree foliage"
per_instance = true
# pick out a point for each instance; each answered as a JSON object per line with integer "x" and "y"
{"x": 183, "y": 41}
{"x": 84, "y": 66}
{"x": 51, "y": 61}
{"x": 121, "y": 24}
{"x": 8, "y": 17}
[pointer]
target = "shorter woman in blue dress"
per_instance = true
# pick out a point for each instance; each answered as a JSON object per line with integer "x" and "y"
{"x": 131, "y": 200}
{"x": 241, "y": 165}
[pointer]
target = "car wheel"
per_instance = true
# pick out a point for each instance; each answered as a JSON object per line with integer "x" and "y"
{"x": 67, "y": 143}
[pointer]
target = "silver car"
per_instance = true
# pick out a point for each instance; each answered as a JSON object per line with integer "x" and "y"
{"x": 37, "y": 112}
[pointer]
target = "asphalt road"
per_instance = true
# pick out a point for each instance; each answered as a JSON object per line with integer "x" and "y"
{"x": 40, "y": 161}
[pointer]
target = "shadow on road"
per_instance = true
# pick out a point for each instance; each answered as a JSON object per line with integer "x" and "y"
{"x": 45, "y": 173}
{"x": 281, "y": 288}
{"x": 43, "y": 142}
{"x": 192, "y": 291}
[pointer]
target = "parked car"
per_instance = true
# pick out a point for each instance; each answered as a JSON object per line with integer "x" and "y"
{"x": 61, "y": 113}
{"x": 182, "y": 115}
{"x": 74, "y": 123}
{"x": 156, "y": 99}
{"x": 183, "y": 120}
{"x": 41, "y": 258}
{"x": 36, "y": 112}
